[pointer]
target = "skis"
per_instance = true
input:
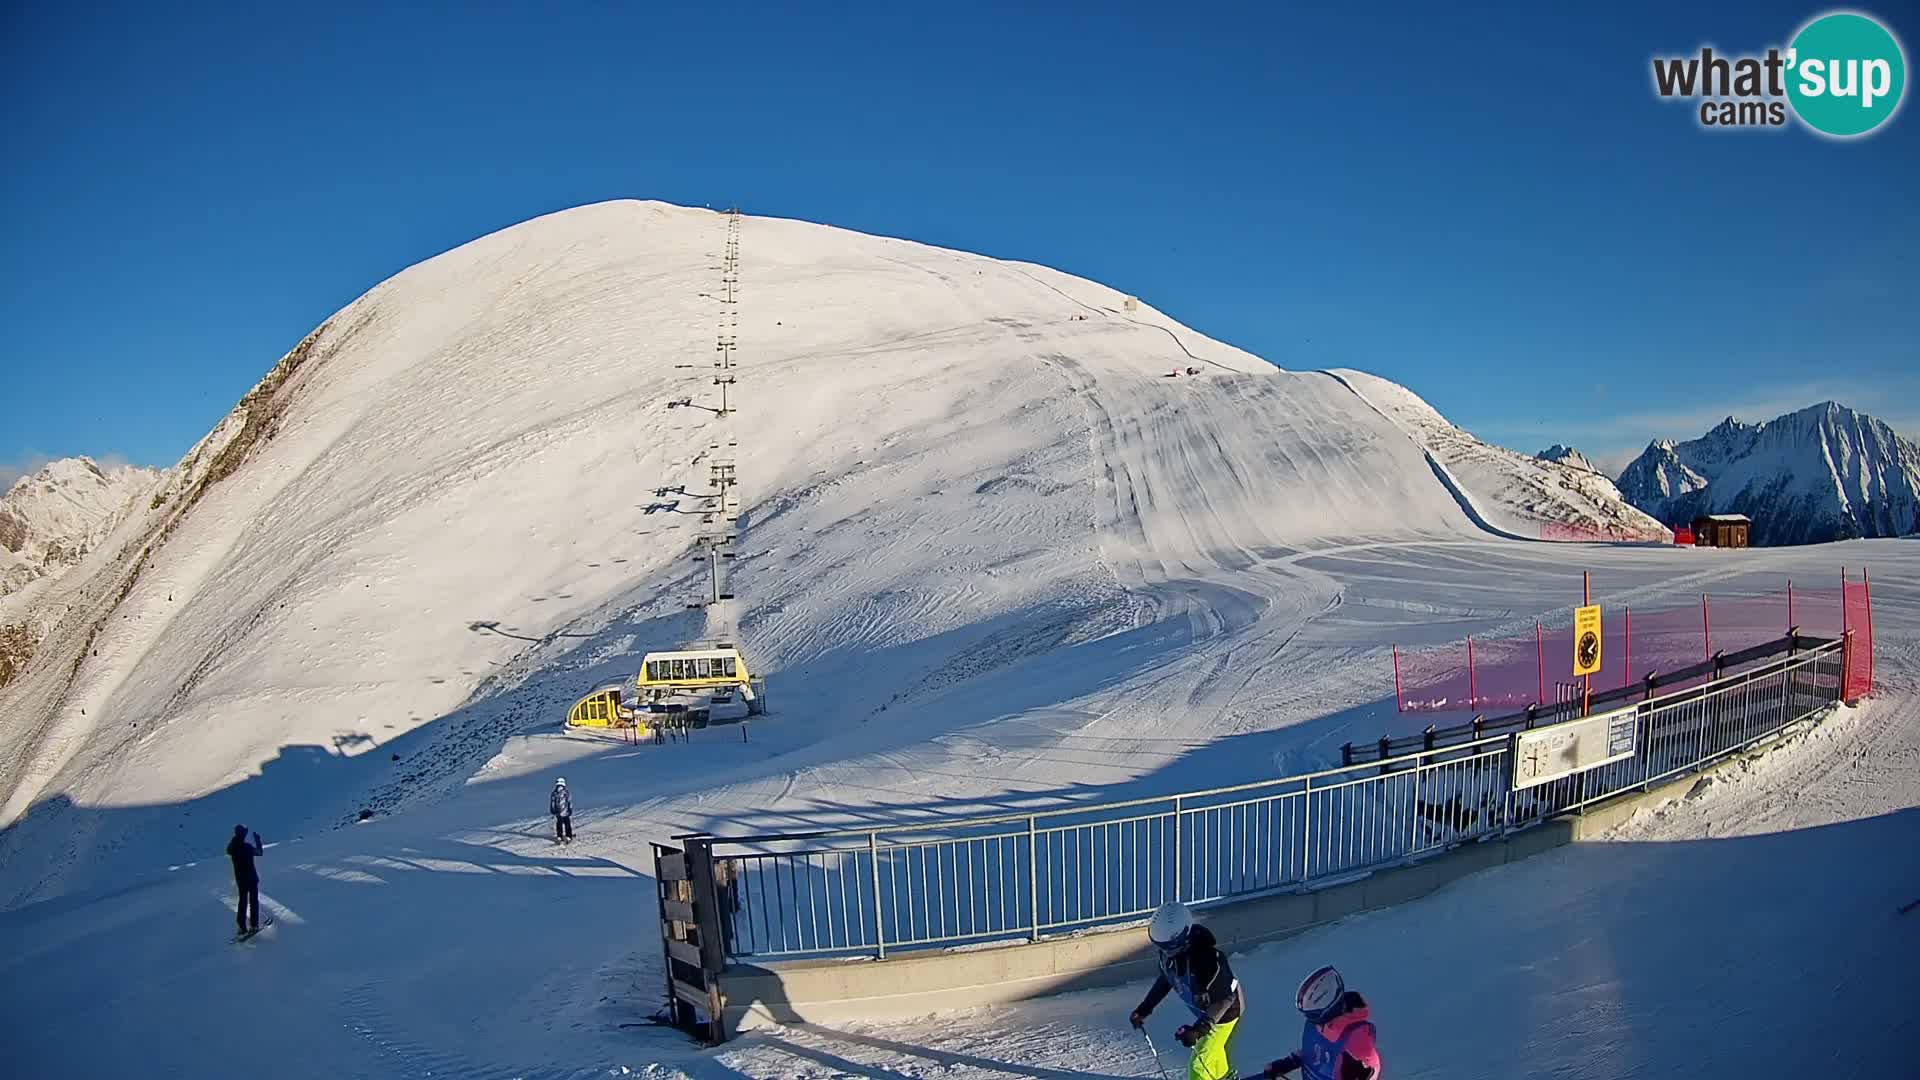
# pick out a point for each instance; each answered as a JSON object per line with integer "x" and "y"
{"x": 248, "y": 935}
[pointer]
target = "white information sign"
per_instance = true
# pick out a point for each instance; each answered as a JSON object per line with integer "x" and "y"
{"x": 1550, "y": 753}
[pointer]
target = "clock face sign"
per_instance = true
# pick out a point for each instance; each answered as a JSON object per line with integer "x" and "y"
{"x": 1586, "y": 640}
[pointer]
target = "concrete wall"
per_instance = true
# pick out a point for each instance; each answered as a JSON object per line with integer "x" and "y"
{"x": 913, "y": 984}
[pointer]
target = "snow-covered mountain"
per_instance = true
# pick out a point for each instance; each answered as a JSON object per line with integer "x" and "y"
{"x": 464, "y": 499}
{"x": 1546, "y": 497}
{"x": 51, "y": 518}
{"x": 1567, "y": 455}
{"x": 1823, "y": 473}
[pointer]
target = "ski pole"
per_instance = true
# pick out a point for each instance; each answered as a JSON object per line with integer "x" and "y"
{"x": 1155, "y": 1053}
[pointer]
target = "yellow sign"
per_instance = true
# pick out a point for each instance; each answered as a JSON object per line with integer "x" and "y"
{"x": 1586, "y": 640}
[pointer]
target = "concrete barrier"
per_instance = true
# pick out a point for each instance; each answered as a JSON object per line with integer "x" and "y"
{"x": 830, "y": 991}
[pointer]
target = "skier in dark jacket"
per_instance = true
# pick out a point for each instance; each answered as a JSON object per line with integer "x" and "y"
{"x": 246, "y": 878}
{"x": 560, "y": 805}
{"x": 1192, "y": 965}
{"x": 1337, "y": 1043}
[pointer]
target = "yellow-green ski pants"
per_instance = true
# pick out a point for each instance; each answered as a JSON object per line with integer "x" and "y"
{"x": 1209, "y": 1060}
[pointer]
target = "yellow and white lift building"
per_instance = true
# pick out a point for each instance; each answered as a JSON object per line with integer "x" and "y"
{"x": 701, "y": 684}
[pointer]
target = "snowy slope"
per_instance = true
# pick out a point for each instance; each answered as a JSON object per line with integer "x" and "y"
{"x": 448, "y": 492}
{"x": 1707, "y": 931}
{"x": 456, "y": 940}
{"x": 50, "y": 519}
{"x": 1551, "y": 496}
{"x": 1824, "y": 473}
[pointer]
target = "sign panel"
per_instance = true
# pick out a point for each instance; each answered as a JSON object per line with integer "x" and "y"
{"x": 1550, "y": 753}
{"x": 1586, "y": 640}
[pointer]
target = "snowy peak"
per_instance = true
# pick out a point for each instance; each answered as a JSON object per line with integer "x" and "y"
{"x": 52, "y": 517}
{"x": 1658, "y": 471}
{"x": 1568, "y": 456}
{"x": 1825, "y": 472}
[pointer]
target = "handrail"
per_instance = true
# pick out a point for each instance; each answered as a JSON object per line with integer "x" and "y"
{"x": 1305, "y": 779}
{"x": 872, "y": 888}
{"x": 1792, "y": 643}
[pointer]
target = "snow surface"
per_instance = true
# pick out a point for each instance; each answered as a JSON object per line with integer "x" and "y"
{"x": 1553, "y": 496}
{"x": 994, "y": 558}
{"x": 455, "y": 939}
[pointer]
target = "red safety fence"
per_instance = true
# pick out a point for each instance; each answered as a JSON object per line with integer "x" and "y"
{"x": 1602, "y": 534}
{"x": 1486, "y": 674}
{"x": 1858, "y": 613}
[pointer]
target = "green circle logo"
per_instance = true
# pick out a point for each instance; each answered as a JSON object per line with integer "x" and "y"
{"x": 1846, "y": 74}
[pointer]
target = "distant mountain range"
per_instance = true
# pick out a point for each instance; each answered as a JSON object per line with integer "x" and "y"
{"x": 1823, "y": 473}
{"x": 51, "y": 518}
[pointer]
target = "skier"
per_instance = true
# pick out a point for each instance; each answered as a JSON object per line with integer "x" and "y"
{"x": 560, "y": 805}
{"x": 1192, "y": 964}
{"x": 1337, "y": 1043}
{"x": 246, "y": 878}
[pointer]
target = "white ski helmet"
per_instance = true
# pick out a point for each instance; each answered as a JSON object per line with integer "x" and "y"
{"x": 1172, "y": 925}
{"x": 562, "y": 782}
{"x": 1321, "y": 995}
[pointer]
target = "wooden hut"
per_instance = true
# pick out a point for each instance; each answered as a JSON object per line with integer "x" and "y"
{"x": 1722, "y": 530}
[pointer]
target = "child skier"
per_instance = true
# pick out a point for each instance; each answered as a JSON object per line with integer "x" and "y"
{"x": 1337, "y": 1043}
{"x": 560, "y": 804}
{"x": 1192, "y": 964}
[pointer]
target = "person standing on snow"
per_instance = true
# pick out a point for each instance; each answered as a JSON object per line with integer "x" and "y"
{"x": 1192, "y": 965}
{"x": 246, "y": 878}
{"x": 1338, "y": 1041}
{"x": 560, "y": 805}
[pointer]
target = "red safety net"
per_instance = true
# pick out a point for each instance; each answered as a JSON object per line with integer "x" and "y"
{"x": 1594, "y": 533}
{"x": 1497, "y": 674}
{"x": 1859, "y": 615}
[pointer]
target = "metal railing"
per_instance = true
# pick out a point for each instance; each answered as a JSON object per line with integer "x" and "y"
{"x": 982, "y": 880}
{"x": 1567, "y": 706}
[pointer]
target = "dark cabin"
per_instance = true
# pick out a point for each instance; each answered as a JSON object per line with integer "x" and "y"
{"x": 1722, "y": 530}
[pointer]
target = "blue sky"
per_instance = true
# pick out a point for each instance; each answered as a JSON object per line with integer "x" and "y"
{"x": 1492, "y": 208}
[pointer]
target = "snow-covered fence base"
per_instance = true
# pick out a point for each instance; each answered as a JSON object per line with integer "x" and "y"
{"x": 882, "y": 891}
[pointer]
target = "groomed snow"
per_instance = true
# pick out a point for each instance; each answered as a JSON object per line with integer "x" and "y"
{"x": 457, "y": 940}
{"x": 993, "y": 558}
{"x": 467, "y": 513}
{"x": 1511, "y": 492}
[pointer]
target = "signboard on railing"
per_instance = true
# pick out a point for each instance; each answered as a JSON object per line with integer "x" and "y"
{"x": 1550, "y": 753}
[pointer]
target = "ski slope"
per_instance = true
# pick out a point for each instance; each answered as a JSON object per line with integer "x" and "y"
{"x": 461, "y": 503}
{"x": 455, "y": 939}
{"x": 1509, "y": 492}
{"x": 993, "y": 557}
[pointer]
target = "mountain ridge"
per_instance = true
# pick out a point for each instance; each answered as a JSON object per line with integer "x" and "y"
{"x": 52, "y": 517}
{"x": 1825, "y": 472}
